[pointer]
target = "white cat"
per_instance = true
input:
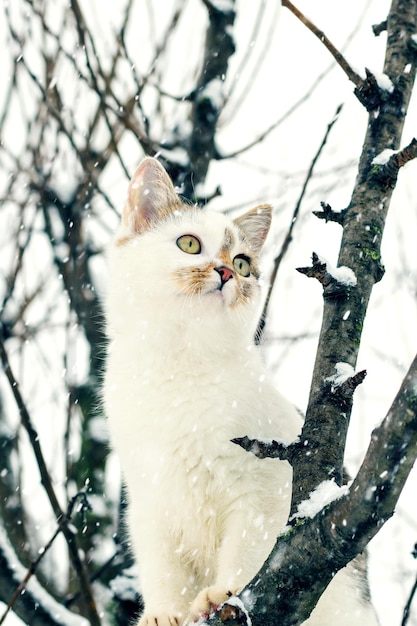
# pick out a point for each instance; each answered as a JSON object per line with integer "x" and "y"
{"x": 183, "y": 379}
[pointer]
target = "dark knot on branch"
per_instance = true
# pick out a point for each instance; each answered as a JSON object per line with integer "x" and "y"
{"x": 369, "y": 93}
{"x": 267, "y": 449}
{"x": 330, "y": 215}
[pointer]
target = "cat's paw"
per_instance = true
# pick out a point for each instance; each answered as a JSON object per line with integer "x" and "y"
{"x": 209, "y": 599}
{"x": 160, "y": 619}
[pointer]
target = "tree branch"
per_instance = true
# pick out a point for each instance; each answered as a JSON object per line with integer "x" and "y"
{"x": 335, "y": 282}
{"x": 386, "y": 173}
{"x": 327, "y": 420}
{"x": 406, "y": 612}
{"x": 288, "y": 586}
{"x": 367, "y": 89}
{"x": 20, "y": 589}
{"x": 209, "y": 98}
{"x": 82, "y": 32}
{"x": 336, "y": 54}
{"x": 379, "y": 28}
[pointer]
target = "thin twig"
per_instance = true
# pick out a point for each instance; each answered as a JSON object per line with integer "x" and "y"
{"x": 283, "y": 118}
{"x": 288, "y": 237}
{"x": 84, "y": 161}
{"x": 82, "y": 32}
{"x": 337, "y": 55}
{"x": 246, "y": 87}
{"x": 367, "y": 89}
{"x": 406, "y": 612}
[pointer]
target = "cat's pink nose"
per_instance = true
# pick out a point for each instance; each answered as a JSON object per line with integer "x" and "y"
{"x": 225, "y": 273}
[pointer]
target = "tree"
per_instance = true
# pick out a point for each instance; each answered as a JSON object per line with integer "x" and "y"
{"x": 82, "y": 104}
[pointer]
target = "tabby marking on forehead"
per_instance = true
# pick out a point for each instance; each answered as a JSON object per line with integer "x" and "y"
{"x": 229, "y": 239}
{"x": 121, "y": 241}
{"x": 228, "y": 243}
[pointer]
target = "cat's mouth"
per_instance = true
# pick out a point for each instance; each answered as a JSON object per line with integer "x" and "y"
{"x": 210, "y": 282}
{"x": 225, "y": 274}
{"x": 220, "y": 293}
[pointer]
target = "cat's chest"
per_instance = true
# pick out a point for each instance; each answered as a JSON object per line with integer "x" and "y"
{"x": 165, "y": 406}
{"x": 193, "y": 396}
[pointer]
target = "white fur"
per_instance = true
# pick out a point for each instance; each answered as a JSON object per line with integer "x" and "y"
{"x": 184, "y": 378}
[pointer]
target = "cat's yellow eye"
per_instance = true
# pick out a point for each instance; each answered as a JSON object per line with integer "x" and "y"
{"x": 189, "y": 244}
{"x": 241, "y": 263}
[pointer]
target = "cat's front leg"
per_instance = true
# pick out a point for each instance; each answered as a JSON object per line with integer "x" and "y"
{"x": 209, "y": 599}
{"x": 163, "y": 580}
{"x": 238, "y": 560}
{"x": 246, "y": 543}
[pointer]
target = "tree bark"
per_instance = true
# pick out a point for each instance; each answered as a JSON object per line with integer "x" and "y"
{"x": 327, "y": 419}
{"x": 306, "y": 558}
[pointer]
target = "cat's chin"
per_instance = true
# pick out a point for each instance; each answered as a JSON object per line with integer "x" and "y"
{"x": 222, "y": 297}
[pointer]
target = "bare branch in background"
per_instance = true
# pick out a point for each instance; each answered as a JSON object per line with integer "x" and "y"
{"x": 209, "y": 97}
{"x": 79, "y": 565}
{"x": 337, "y": 55}
{"x": 289, "y": 235}
{"x": 407, "y": 608}
{"x": 21, "y": 588}
{"x": 35, "y": 606}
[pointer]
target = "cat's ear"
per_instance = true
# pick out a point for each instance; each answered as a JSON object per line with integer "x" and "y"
{"x": 254, "y": 225}
{"x": 151, "y": 197}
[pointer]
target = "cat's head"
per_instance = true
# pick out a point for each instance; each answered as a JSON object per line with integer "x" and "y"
{"x": 193, "y": 262}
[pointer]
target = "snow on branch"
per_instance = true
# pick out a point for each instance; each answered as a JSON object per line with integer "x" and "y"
{"x": 335, "y": 280}
{"x": 387, "y": 163}
{"x": 326, "y": 492}
{"x": 370, "y": 90}
{"x": 345, "y": 381}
